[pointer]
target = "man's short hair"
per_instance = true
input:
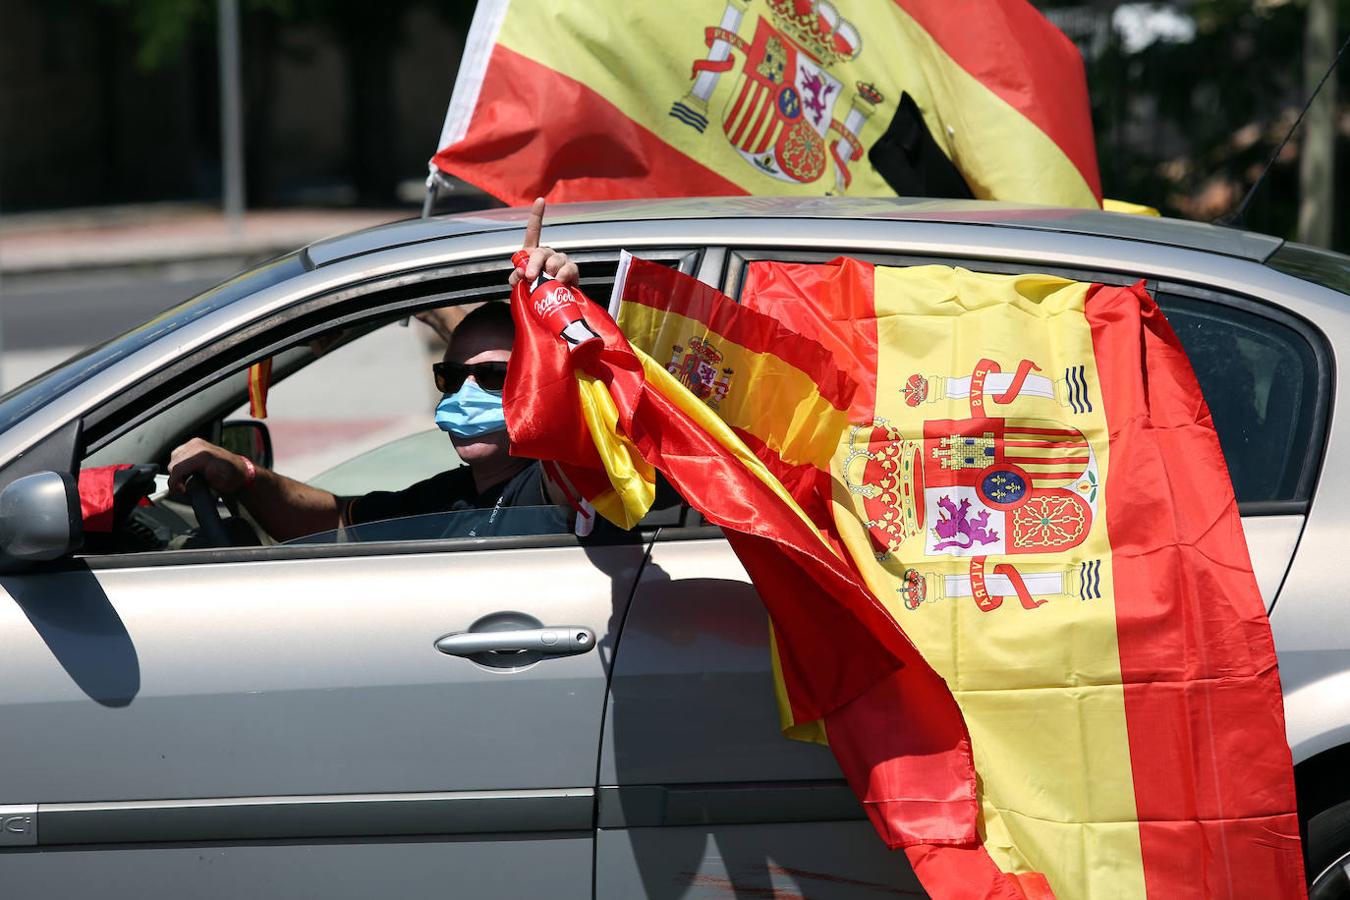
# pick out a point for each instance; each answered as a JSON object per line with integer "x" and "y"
{"x": 495, "y": 314}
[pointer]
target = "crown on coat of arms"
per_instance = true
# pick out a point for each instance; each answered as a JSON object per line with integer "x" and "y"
{"x": 885, "y": 481}
{"x": 819, "y": 28}
{"x": 915, "y": 390}
{"x": 869, "y": 92}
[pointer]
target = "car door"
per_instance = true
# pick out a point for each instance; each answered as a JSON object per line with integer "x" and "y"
{"x": 290, "y": 720}
{"x": 286, "y": 726}
{"x": 701, "y": 797}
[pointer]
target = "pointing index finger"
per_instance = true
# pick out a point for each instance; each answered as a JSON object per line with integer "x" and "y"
{"x": 534, "y": 224}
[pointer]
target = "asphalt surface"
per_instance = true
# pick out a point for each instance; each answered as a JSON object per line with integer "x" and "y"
{"x": 43, "y": 312}
{"x": 373, "y": 391}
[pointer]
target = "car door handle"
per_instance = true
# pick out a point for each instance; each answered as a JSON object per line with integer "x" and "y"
{"x": 559, "y": 640}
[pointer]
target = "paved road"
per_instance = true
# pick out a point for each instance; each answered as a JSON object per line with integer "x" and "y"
{"x": 46, "y": 318}
{"x": 376, "y": 390}
{"x": 45, "y": 311}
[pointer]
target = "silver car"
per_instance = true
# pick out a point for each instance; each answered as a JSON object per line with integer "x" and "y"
{"x": 410, "y": 710}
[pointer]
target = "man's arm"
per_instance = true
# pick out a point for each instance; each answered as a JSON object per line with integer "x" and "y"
{"x": 284, "y": 507}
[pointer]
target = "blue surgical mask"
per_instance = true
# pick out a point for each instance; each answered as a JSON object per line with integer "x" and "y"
{"x": 470, "y": 412}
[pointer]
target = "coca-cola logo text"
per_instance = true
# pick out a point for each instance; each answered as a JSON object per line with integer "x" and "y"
{"x": 551, "y": 299}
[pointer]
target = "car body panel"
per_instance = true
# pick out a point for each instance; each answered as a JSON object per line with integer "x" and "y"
{"x": 559, "y": 866}
{"x": 1271, "y": 541}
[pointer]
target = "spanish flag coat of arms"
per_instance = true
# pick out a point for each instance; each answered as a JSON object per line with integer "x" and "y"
{"x": 608, "y": 100}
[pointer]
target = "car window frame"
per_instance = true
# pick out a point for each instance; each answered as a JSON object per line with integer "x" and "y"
{"x": 387, "y": 297}
{"x": 736, "y": 260}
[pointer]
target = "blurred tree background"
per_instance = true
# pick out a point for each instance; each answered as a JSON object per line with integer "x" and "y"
{"x": 116, "y": 101}
{"x": 368, "y": 38}
{"x": 1190, "y": 99}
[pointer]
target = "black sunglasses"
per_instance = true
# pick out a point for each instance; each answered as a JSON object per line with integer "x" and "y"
{"x": 491, "y": 376}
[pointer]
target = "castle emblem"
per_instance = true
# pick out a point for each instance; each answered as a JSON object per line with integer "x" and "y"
{"x": 782, "y": 114}
{"x": 700, "y": 369}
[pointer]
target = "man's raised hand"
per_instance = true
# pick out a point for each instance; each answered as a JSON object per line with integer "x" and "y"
{"x": 544, "y": 259}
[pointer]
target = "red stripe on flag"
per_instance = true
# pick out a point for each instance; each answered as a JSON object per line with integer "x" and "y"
{"x": 1212, "y": 771}
{"x": 746, "y": 91}
{"x": 754, "y": 95}
{"x": 766, "y": 115}
{"x": 770, "y": 135}
{"x": 833, "y": 305}
{"x": 1005, "y": 44}
{"x": 662, "y": 288}
{"x": 809, "y": 485}
{"x": 584, "y": 147}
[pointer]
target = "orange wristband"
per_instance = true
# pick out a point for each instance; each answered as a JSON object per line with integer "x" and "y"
{"x": 250, "y": 472}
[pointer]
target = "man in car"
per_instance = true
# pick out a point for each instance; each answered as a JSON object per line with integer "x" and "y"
{"x": 470, "y": 377}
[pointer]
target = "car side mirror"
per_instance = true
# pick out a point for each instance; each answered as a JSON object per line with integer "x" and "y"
{"x": 39, "y": 519}
{"x": 249, "y": 439}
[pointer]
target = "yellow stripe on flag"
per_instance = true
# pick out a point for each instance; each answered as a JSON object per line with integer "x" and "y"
{"x": 1040, "y": 689}
{"x": 709, "y": 421}
{"x": 632, "y": 477}
{"x": 802, "y": 432}
{"x": 1125, "y": 206}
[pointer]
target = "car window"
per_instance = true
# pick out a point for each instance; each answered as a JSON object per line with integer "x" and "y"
{"x": 351, "y": 411}
{"x": 363, "y": 393}
{"x": 355, "y": 404}
{"x": 1259, "y": 377}
{"x": 1330, "y": 270}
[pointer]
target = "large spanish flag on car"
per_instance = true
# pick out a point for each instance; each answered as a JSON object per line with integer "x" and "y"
{"x": 608, "y": 99}
{"x": 843, "y": 658}
{"x": 1032, "y": 484}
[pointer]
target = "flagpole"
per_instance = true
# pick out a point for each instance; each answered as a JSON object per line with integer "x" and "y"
{"x": 231, "y": 116}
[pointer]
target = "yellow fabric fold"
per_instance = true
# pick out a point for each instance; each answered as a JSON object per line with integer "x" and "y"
{"x": 632, "y": 478}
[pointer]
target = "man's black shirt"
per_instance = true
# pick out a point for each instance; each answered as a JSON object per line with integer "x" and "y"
{"x": 454, "y": 491}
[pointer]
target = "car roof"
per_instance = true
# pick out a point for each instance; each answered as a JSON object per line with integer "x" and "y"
{"x": 1150, "y": 229}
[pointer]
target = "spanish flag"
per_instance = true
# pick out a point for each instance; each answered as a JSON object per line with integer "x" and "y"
{"x": 843, "y": 659}
{"x": 1032, "y": 483}
{"x": 606, "y": 99}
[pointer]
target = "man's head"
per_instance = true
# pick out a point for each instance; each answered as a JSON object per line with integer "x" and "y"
{"x": 484, "y": 336}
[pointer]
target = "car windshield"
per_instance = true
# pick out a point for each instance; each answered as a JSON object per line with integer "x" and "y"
{"x": 38, "y": 392}
{"x": 1330, "y": 270}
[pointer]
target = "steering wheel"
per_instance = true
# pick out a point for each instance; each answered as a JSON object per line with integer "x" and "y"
{"x": 210, "y": 526}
